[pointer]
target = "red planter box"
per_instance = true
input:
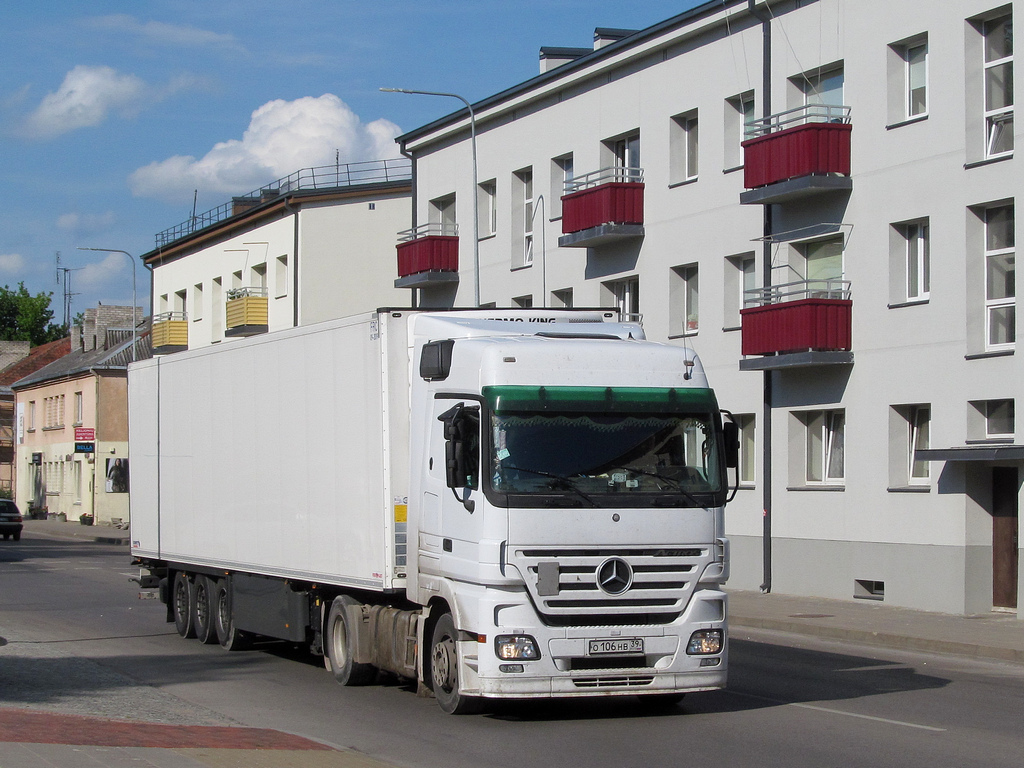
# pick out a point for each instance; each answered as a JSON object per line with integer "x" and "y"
{"x": 814, "y": 148}
{"x": 796, "y": 326}
{"x": 434, "y": 252}
{"x": 611, "y": 203}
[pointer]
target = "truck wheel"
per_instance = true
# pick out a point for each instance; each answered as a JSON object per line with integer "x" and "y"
{"x": 230, "y": 639}
{"x": 203, "y": 610}
{"x": 17, "y": 536}
{"x": 340, "y": 645}
{"x": 444, "y": 669}
{"x": 181, "y": 604}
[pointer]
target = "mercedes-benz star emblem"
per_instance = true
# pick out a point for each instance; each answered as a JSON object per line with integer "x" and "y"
{"x": 614, "y": 576}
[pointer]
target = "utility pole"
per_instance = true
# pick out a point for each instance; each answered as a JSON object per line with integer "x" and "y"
{"x": 64, "y": 276}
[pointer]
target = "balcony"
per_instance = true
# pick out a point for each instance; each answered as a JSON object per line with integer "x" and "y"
{"x": 428, "y": 255}
{"x": 603, "y": 207}
{"x": 245, "y": 313}
{"x": 170, "y": 333}
{"x": 800, "y": 324}
{"x": 797, "y": 153}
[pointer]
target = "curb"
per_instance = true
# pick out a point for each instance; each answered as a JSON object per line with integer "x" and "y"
{"x": 882, "y": 639}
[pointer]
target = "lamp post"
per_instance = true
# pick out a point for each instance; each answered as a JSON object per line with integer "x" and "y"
{"x": 134, "y": 299}
{"x": 473, "y": 191}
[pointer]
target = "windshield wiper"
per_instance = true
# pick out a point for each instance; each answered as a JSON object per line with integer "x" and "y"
{"x": 676, "y": 486}
{"x": 565, "y": 481}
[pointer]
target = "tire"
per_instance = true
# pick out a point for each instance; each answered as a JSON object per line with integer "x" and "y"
{"x": 340, "y": 643}
{"x": 444, "y": 669}
{"x": 7, "y": 536}
{"x": 182, "y": 598}
{"x": 17, "y": 536}
{"x": 230, "y": 639}
{"x": 203, "y": 610}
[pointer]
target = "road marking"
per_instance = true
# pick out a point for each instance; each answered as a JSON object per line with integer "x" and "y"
{"x": 830, "y": 711}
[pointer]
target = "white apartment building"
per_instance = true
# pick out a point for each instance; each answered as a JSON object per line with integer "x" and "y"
{"x": 316, "y": 245}
{"x": 819, "y": 197}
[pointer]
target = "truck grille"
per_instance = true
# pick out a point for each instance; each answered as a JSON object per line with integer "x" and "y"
{"x": 629, "y": 584}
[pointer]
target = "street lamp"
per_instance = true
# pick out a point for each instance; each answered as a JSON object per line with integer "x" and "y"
{"x": 473, "y": 192}
{"x": 134, "y": 300}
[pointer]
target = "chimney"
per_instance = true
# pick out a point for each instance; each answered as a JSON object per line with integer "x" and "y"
{"x": 606, "y": 36}
{"x": 556, "y": 57}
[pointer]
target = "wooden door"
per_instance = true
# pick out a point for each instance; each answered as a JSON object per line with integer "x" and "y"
{"x": 1005, "y": 531}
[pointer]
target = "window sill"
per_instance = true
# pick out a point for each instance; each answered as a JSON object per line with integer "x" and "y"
{"x": 683, "y": 183}
{"x": 731, "y": 328}
{"x": 491, "y": 236}
{"x": 1004, "y": 440}
{"x": 911, "y": 303}
{"x": 908, "y": 121}
{"x": 827, "y": 488}
{"x": 687, "y": 335}
{"x": 984, "y": 355}
{"x": 910, "y": 489}
{"x": 988, "y": 161}
{"x": 57, "y": 428}
{"x": 733, "y": 169}
{"x": 520, "y": 267}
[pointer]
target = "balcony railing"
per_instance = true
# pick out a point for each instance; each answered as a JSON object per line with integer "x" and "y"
{"x": 170, "y": 332}
{"x": 322, "y": 177}
{"x": 431, "y": 250}
{"x": 246, "y": 312}
{"x": 811, "y": 141}
{"x": 803, "y": 316}
{"x": 603, "y": 205}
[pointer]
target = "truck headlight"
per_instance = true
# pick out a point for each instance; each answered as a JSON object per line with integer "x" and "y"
{"x": 516, "y": 647}
{"x": 705, "y": 642}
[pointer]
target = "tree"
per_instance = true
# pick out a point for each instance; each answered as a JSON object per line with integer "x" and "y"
{"x": 24, "y": 317}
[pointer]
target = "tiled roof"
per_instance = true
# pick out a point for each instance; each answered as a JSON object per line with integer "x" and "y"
{"x": 38, "y": 357}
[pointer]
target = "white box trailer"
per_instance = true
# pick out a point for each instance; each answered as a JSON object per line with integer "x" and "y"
{"x": 533, "y": 497}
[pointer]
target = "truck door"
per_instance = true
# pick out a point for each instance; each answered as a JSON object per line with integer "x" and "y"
{"x": 451, "y": 523}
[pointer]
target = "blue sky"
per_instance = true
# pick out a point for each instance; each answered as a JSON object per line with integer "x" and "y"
{"x": 113, "y": 113}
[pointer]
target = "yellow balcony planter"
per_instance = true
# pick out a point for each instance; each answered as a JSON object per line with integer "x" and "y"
{"x": 246, "y": 312}
{"x": 170, "y": 333}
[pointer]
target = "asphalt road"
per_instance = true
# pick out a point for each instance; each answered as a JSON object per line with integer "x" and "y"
{"x": 80, "y": 640}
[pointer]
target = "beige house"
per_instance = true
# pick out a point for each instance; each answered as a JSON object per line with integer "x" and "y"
{"x": 71, "y": 423}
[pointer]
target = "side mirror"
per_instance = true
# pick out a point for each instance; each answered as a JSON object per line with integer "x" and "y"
{"x": 462, "y": 446}
{"x": 731, "y": 435}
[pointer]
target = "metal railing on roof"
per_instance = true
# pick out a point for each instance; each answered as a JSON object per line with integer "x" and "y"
{"x": 604, "y": 176}
{"x": 322, "y": 177}
{"x": 825, "y": 288}
{"x": 808, "y": 113}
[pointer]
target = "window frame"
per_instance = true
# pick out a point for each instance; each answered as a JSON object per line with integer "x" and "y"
{"x": 684, "y": 148}
{"x": 825, "y": 446}
{"x": 1006, "y": 254}
{"x": 998, "y": 120}
{"x": 908, "y": 79}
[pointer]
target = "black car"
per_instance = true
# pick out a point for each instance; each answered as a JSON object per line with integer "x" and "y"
{"x": 10, "y": 520}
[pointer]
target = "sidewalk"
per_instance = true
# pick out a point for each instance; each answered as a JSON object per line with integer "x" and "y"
{"x": 56, "y": 529}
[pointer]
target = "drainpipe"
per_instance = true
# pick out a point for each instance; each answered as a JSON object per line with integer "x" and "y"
{"x": 766, "y": 281}
{"x": 412, "y": 178}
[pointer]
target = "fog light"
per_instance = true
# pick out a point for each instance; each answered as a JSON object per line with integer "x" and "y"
{"x": 510, "y": 667}
{"x": 710, "y": 662}
{"x": 509, "y": 647}
{"x": 705, "y": 642}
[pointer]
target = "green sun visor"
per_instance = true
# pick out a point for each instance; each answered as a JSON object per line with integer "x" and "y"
{"x": 504, "y": 399}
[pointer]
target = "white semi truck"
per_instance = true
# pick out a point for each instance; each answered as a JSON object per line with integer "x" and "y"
{"x": 498, "y": 504}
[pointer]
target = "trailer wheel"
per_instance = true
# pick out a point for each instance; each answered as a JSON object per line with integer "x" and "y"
{"x": 203, "y": 610}
{"x": 444, "y": 669}
{"x": 181, "y": 605}
{"x": 340, "y": 644}
{"x": 230, "y": 638}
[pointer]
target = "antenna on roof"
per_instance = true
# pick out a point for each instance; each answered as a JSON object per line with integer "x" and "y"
{"x": 65, "y": 272}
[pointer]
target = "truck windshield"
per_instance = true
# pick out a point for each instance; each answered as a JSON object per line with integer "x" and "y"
{"x": 591, "y": 446}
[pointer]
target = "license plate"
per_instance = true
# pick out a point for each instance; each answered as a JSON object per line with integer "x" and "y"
{"x": 616, "y": 646}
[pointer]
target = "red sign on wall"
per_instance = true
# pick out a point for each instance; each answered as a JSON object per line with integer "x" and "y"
{"x": 84, "y": 433}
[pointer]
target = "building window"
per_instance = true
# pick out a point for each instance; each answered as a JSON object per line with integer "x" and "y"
{"x": 907, "y": 72}
{"x": 910, "y": 266}
{"x": 825, "y": 446}
{"x": 745, "y": 422}
{"x": 625, "y": 151}
{"x": 179, "y": 302}
{"x": 683, "y": 145}
{"x": 998, "y": 65}
{"x": 79, "y": 409}
{"x": 909, "y": 432}
{"x": 487, "y": 210}
{"x": 31, "y": 416}
{"x": 258, "y": 277}
{"x": 53, "y": 412}
{"x": 623, "y": 295}
{"x": 919, "y": 424}
{"x": 523, "y": 302}
{"x": 739, "y": 113}
{"x": 197, "y": 302}
{"x": 561, "y": 175}
{"x": 280, "y": 277}
{"x": 999, "y": 419}
{"x": 684, "y": 300}
{"x": 822, "y": 264}
{"x": 916, "y": 79}
{"x": 740, "y": 285}
{"x": 1000, "y": 283}
{"x": 562, "y": 299}
{"x": 522, "y": 212}
{"x": 821, "y": 86}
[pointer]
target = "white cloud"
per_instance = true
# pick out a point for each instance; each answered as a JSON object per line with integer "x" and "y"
{"x": 282, "y": 137}
{"x": 12, "y": 263}
{"x": 85, "y": 99}
{"x": 112, "y": 268}
{"x": 86, "y": 223}
{"x": 167, "y": 34}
